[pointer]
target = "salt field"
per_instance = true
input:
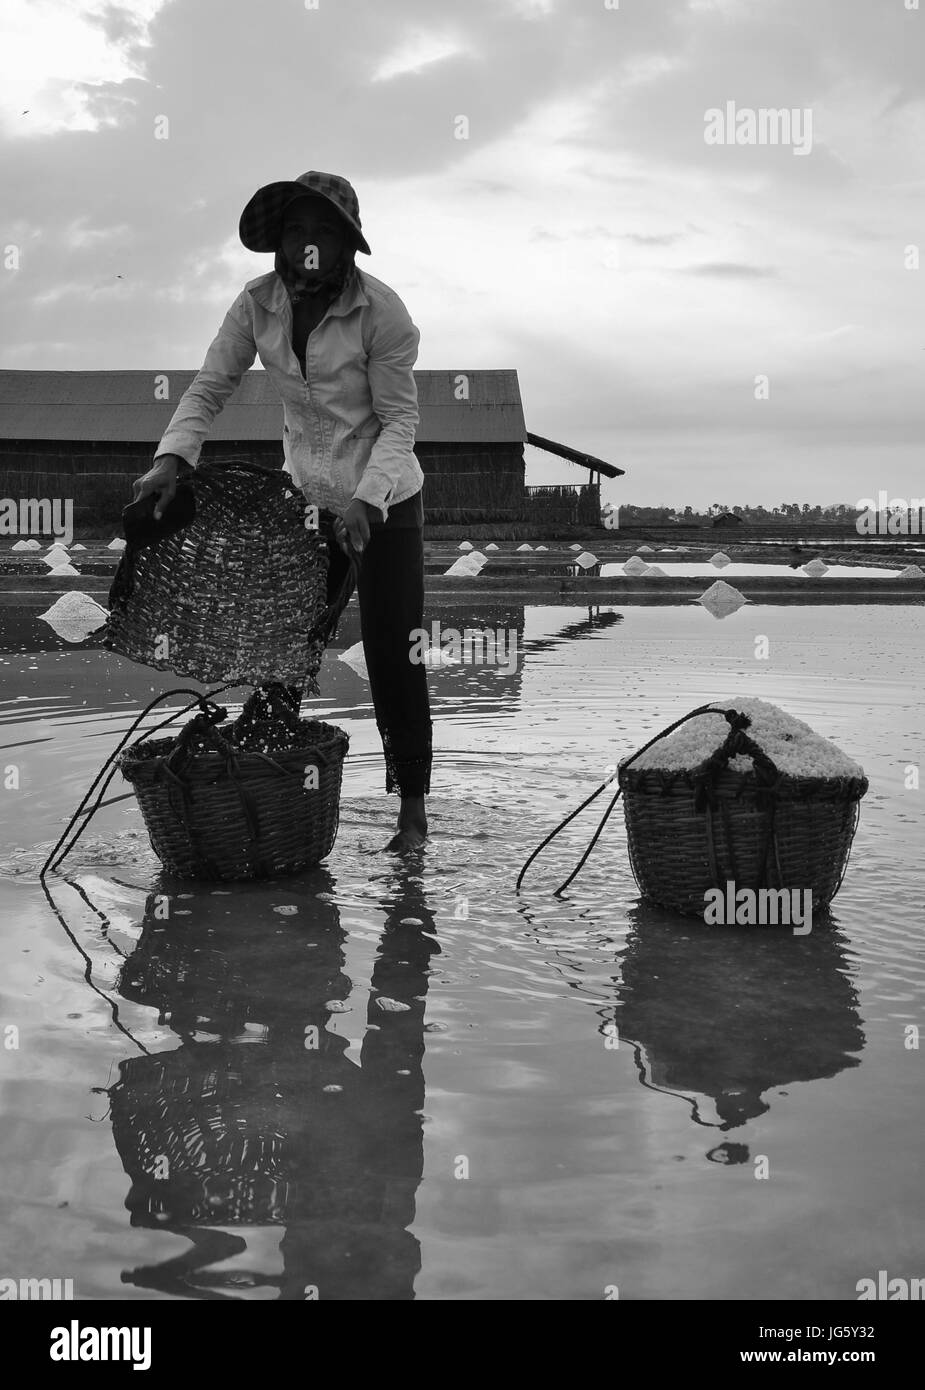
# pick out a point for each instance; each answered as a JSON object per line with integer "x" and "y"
{"x": 741, "y": 568}
{"x": 516, "y": 1095}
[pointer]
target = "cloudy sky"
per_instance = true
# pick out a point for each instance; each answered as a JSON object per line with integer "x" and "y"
{"x": 640, "y": 279}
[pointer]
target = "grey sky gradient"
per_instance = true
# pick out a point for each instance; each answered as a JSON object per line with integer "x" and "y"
{"x": 636, "y": 277}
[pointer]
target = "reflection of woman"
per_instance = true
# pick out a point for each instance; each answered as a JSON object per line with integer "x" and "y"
{"x": 734, "y": 1013}
{"x": 339, "y": 347}
{"x": 260, "y": 1117}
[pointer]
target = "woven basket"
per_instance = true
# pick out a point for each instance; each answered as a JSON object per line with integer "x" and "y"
{"x": 695, "y": 830}
{"x": 237, "y": 591}
{"x": 216, "y": 806}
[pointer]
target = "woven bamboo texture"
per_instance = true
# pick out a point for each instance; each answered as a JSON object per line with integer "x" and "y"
{"x": 695, "y": 830}
{"x": 238, "y": 594}
{"x": 216, "y": 810}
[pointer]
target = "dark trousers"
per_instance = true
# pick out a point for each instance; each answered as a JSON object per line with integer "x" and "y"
{"x": 390, "y": 589}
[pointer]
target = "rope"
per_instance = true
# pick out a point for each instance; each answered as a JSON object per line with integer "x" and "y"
{"x": 203, "y": 700}
{"x": 702, "y": 709}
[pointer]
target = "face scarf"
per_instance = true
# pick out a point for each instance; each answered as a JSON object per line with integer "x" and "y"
{"x": 325, "y": 287}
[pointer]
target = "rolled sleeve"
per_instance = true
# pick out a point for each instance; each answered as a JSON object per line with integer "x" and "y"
{"x": 390, "y": 365}
{"x": 230, "y": 354}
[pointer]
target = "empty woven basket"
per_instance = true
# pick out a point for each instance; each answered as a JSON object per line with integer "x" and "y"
{"x": 239, "y": 592}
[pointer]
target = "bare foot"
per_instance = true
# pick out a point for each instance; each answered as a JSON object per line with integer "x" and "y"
{"x": 412, "y": 825}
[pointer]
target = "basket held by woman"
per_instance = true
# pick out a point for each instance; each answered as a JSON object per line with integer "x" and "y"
{"x": 231, "y": 585}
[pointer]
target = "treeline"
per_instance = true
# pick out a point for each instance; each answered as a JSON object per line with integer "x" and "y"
{"x": 787, "y": 511}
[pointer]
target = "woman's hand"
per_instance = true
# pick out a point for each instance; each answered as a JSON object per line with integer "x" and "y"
{"x": 160, "y": 479}
{"x": 356, "y": 525}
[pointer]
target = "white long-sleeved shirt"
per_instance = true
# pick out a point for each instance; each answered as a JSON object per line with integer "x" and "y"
{"x": 349, "y": 423}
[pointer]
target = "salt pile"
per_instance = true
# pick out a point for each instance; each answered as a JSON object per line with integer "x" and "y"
{"x": 74, "y": 616}
{"x": 21, "y": 545}
{"x": 117, "y": 544}
{"x": 586, "y": 560}
{"x": 527, "y": 546}
{"x": 721, "y": 599}
{"x": 793, "y": 746}
{"x": 56, "y": 556}
{"x": 654, "y": 572}
{"x": 542, "y": 547}
{"x": 634, "y": 567}
{"x": 355, "y": 658}
{"x": 910, "y": 572}
{"x": 816, "y": 569}
{"x": 464, "y": 566}
{"x": 61, "y": 571}
{"x": 491, "y": 546}
{"x": 78, "y": 546}
{"x": 56, "y": 545}
{"x": 30, "y": 545}
{"x": 644, "y": 550}
{"x": 720, "y": 560}
{"x": 465, "y": 545}
{"x": 576, "y": 546}
{"x": 477, "y": 560}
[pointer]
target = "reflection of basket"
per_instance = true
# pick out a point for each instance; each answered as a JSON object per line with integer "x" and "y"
{"x": 694, "y": 830}
{"x": 238, "y": 592}
{"x": 215, "y": 810}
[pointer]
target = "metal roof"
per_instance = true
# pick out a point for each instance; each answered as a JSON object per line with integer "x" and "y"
{"x": 111, "y": 407}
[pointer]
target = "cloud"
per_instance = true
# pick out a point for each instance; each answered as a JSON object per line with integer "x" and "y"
{"x": 730, "y": 270}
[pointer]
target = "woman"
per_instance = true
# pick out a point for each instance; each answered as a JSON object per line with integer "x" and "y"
{"x": 340, "y": 348}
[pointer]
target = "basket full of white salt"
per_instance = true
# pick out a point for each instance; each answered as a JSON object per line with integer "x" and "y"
{"x": 739, "y": 792}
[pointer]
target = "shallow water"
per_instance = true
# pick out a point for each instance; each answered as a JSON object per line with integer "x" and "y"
{"x": 741, "y": 568}
{"x": 169, "y": 1133}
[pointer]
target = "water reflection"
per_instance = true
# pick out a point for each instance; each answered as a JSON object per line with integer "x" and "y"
{"x": 734, "y": 1014}
{"x": 259, "y": 1118}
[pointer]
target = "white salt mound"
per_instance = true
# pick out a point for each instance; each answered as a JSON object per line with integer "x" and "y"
{"x": 576, "y": 546}
{"x": 721, "y": 599}
{"x": 56, "y": 557}
{"x": 816, "y": 569}
{"x": 477, "y": 560}
{"x": 634, "y": 566}
{"x": 61, "y": 571}
{"x": 464, "y": 566}
{"x": 78, "y": 546}
{"x": 720, "y": 560}
{"x": 56, "y": 545}
{"x": 910, "y": 572}
{"x": 644, "y": 550}
{"x": 654, "y": 572}
{"x": 117, "y": 544}
{"x": 21, "y": 545}
{"x": 31, "y": 545}
{"x": 793, "y": 746}
{"x": 491, "y": 546}
{"x": 542, "y": 547}
{"x": 586, "y": 559}
{"x": 74, "y": 616}
{"x": 355, "y": 658}
{"x": 527, "y": 546}
{"x": 465, "y": 545}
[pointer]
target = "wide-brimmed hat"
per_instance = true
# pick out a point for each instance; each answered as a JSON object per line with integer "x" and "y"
{"x": 261, "y": 220}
